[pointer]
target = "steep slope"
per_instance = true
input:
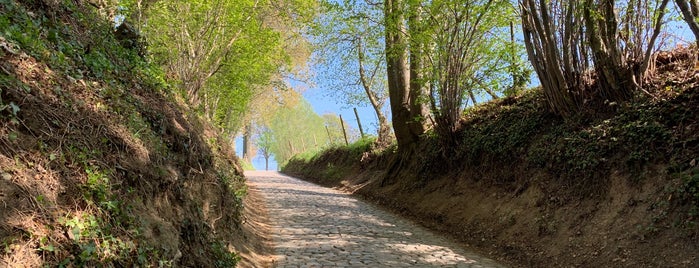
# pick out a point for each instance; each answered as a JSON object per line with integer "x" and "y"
{"x": 612, "y": 188}
{"x": 101, "y": 163}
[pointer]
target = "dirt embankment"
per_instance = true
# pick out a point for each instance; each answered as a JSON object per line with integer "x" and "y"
{"x": 618, "y": 188}
{"x": 101, "y": 164}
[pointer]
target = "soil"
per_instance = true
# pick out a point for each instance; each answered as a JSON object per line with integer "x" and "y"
{"x": 613, "y": 210}
{"x": 628, "y": 227}
{"x": 257, "y": 250}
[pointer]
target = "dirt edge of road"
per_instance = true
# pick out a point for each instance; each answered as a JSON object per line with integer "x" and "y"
{"x": 258, "y": 251}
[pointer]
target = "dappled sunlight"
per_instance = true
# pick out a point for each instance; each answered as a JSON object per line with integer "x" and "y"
{"x": 431, "y": 254}
{"x": 318, "y": 226}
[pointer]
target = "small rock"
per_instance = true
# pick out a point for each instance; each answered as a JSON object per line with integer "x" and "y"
{"x": 6, "y": 176}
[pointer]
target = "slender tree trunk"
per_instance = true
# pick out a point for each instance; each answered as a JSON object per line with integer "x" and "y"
{"x": 644, "y": 69}
{"x": 559, "y": 78}
{"x": 690, "y": 11}
{"x": 384, "y": 129}
{"x": 473, "y": 97}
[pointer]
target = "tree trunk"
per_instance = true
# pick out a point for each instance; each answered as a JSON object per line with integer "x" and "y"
{"x": 559, "y": 79}
{"x": 384, "y": 129}
{"x": 418, "y": 49}
{"x": 690, "y": 11}
{"x": 407, "y": 123}
{"x": 249, "y": 150}
{"x": 613, "y": 74}
{"x": 620, "y": 70}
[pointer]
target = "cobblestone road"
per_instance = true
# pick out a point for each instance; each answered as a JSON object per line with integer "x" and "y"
{"x": 315, "y": 226}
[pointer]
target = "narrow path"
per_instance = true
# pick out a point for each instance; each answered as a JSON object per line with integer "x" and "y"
{"x": 315, "y": 226}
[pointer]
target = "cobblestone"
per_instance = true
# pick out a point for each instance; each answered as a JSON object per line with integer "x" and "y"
{"x": 315, "y": 226}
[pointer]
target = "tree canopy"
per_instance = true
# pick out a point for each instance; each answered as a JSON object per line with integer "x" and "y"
{"x": 296, "y": 129}
{"x": 224, "y": 53}
{"x": 350, "y": 57}
{"x": 234, "y": 60}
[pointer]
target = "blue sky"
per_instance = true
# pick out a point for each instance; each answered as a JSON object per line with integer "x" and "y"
{"x": 323, "y": 103}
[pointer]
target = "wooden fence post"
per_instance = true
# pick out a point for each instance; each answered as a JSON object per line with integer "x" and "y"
{"x": 330, "y": 138}
{"x": 359, "y": 123}
{"x": 344, "y": 132}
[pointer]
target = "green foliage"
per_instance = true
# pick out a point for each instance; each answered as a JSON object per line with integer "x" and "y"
{"x": 691, "y": 187}
{"x": 360, "y": 146}
{"x": 98, "y": 64}
{"x": 224, "y": 257}
{"x": 578, "y": 154}
{"x": 342, "y": 29}
{"x": 688, "y": 192}
{"x": 583, "y": 155}
{"x": 51, "y": 40}
{"x": 11, "y": 109}
{"x": 306, "y": 156}
{"x": 352, "y": 151}
{"x": 335, "y": 137}
{"x": 246, "y": 165}
{"x": 95, "y": 244}
{"x": 72, "y": 48}
{"x": 18, "y": 26}
{"x": 505, "y": 130}
{"x": 220, "y": 61}
{"x": 237, "y": 189}
{"x": 91, "y": 231}
{"x": 264, "y": 142}
{"x": 499, "y": 63}
{"x": 298, "y": 129}
{"x": 332, "y": 163}
{"x": 98, "y": 189}
{"x": 146, "y": 130}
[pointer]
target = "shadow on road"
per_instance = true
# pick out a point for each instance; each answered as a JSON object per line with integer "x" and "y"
{"x": 318, "y": 226}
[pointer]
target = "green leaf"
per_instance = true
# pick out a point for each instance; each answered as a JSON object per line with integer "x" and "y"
{"x": 76, "y": 233}
{"x": 12, "y": 136}
{"x": 49, "y": 248}
{"x": 14, "y": 108}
